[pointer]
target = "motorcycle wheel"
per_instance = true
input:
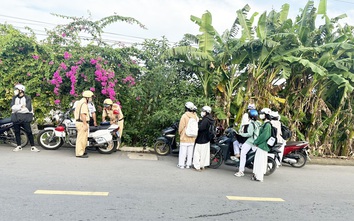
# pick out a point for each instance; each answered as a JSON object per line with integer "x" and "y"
{"x": 48, "y": 141}
{"x": 301, "y": 160}
{"x": 216, "y": 159}
{"x": 12, "y": 138}
{"x": 271, "y": 166}
{"x": 161, "y": 148}
{"x": 108, "y": 148}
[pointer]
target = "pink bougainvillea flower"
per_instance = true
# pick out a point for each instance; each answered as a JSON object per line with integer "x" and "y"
{"x": 57, "y": 102}
{"x": 67, "y": 55}
{"x": 137, "y": 98}
{"x": 51, "y": 63}
{"x": 38, "y": 94}
{"x": 28, "y": 74}
{"x": 35, "y": 57}
{"x": 63, "y": 66}
{"x": 92, "y": 89}
{"x": 93, "y": 61}
{"x": 64, "y": 34}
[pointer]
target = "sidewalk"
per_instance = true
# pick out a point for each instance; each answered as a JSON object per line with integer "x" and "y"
{"x": 314, "y": 160}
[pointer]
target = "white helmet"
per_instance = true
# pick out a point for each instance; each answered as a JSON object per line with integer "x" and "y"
{"x": 20, "y": 87}
{"x": 266, "y": 111}
{"x": 207, "y": 109}
{"x": 275, "y": 115}
{"x": 190, "y": 106}
{"x": 251, "y": 107}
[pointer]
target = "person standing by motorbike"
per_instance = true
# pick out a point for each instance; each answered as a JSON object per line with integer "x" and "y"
{"x": 275, "y": 121}
{"x": 201, "y": 156}
{"x": 186, "y": 142}
{"x": 261, "y": 157}
{"x": 82, "y": 118}
{"x": 252, "y": 134}
{"x": 22, "y": 115}
{"x": 114, "y": 113}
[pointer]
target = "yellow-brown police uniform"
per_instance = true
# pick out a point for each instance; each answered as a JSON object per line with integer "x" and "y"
{"x": 81, "y": 127}
{"x": 115, "y": 119}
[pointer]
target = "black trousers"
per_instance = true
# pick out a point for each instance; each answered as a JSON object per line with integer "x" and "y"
{"x": 27, "y": 127}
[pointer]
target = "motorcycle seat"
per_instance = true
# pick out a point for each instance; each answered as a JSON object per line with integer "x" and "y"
{"x": 5, "y": 120}
{"x": 93, "y": 128}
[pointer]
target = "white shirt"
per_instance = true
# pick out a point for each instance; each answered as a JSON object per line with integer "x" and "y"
{"x": 90, "y": 105}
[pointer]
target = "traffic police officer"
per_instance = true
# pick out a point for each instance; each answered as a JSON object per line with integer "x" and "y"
{"x": 115, "y": 118}
{"x": 82, "y": 118}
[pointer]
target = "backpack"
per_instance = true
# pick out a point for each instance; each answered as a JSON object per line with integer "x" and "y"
{"x": 285, "y": 132}
{"x": 212, "y": 132}
{"x": 273, "y": 136}
{"x": 192, "y": 127}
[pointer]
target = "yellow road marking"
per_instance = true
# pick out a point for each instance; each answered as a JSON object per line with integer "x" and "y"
{"x": 78, "y": 193}
{"x": 255, "y": 198}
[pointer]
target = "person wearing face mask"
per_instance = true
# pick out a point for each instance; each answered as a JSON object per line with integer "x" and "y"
{"x": 22, "y": 116}
{"x": 82, "y": 118}
{"x": 201, "y": 157}
{"x": 261, "y": 157}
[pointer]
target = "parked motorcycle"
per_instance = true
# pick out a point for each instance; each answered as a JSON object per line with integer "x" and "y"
{"x": 296, "y": 153}
{"x": 105, "y": 138}
{"x": 167, "y": 143}
{"x": 220, "y": 153}
{"x": 7, "y": 133}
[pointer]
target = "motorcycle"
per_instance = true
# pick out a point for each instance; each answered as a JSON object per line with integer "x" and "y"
{"x": 219, "y": 154}
{"x": 167, "y": 143}
{"x": 7, "y": 133}
{"x": 296, "y": 153}
{"x": 105, "y": 138}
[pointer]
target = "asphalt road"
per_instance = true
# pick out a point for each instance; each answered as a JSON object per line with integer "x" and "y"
{"x": 55, "y": 185}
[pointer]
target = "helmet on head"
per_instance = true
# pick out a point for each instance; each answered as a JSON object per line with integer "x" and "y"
{"x": 20, "y": 87}
{"x": 107, "y": 102}
{"x": 190, "y": 106}
{"x": 87, "y": 94}
{"x": 275, "y": 115}
{"x": 253, "y": 114}
{"x": 206, "y": 109}
{"x": 266, "y": 111}
{"x": 251, "y": 107}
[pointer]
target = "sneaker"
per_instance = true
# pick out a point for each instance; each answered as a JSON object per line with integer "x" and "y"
{"x": 17, "y": 149}
{"x": 239, "y": 174}
{"x": 199, "y": 170}
{"x": 34, "y": 149}
{"x": 181, "y": 167}
{"x": 188, "y": 167}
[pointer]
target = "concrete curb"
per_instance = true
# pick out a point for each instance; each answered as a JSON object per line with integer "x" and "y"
{"x": 314, "y": 160}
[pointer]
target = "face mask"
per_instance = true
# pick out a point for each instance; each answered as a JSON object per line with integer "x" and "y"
{"x": 262, "y": 116}
{"x": 16, "y": 92}
{"x": 202, "y": 113}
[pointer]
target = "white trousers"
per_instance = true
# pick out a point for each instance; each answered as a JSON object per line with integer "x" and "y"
{"x": 260, "y": 164}
{"x": 281, "y": 149}
{"x": 244, "y": 150}
{"x": 201, "y": 156}
{"x": 237, "y": 146}
{"x": 185, "y": 152}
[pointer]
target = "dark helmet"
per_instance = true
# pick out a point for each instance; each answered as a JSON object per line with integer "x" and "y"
{"x": 253, "y": 114}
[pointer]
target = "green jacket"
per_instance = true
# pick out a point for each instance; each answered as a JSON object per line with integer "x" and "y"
{"x": 264, "y": 135}
{"x": 252, "y": 132}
